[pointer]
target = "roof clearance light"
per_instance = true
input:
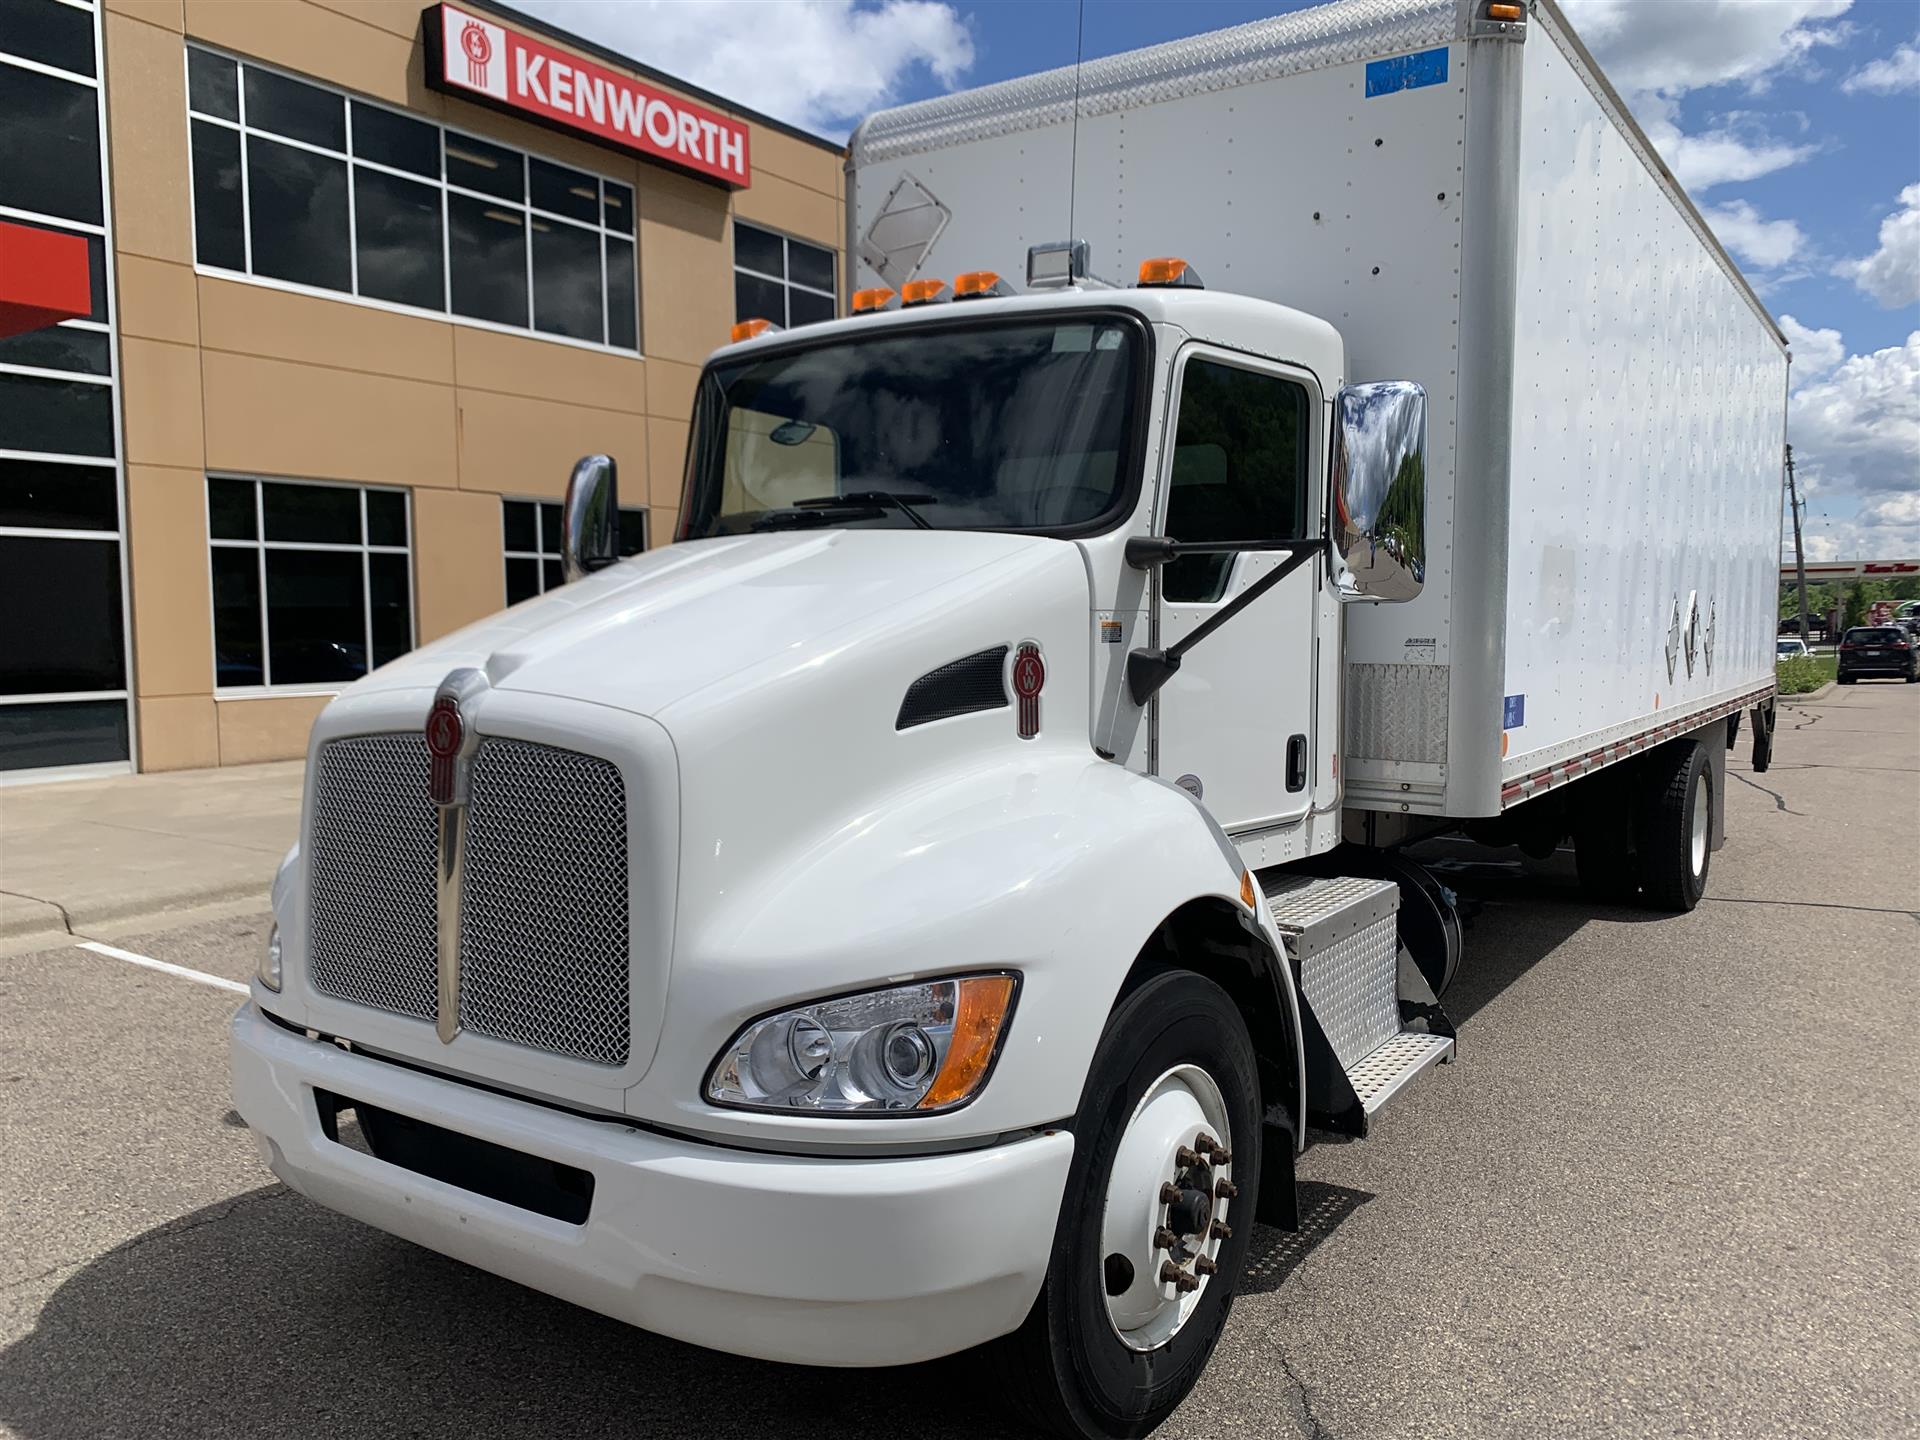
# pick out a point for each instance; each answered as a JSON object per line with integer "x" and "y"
{"x": 922, "y": 292}
{"x": 1168, "y": 271}
{"x": 980, "y": 285}
{"x": 878, "y": 298}
{"x": 753, "y": 330}
{"x": 1512, "y": 14}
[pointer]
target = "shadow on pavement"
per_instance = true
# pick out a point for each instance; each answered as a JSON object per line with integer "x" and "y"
{"x": 267, "y": 1315}
{"x": 1276, "y": 1254}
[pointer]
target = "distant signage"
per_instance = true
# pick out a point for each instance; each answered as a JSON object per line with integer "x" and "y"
{"x": 493, "y": 64}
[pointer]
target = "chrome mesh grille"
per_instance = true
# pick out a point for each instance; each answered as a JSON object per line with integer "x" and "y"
{"x": 372, "y": 846}
{"x": 543, "y": 930}
{"x": 544, "y": 924}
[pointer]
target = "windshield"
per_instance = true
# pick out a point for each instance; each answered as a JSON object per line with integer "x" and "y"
{"x": 1017, "y": 425}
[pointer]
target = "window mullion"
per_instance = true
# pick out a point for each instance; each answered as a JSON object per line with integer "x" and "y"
{"x": 246, "y": 205}
{"x": 353, "y": 258}
{"x": 366, "y": 586}
{"x": 260, "y": 531}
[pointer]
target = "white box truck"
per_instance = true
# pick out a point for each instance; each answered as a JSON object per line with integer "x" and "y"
{"x": 929, "y": 907}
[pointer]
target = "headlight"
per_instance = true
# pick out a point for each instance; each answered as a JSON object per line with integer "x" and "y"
{"x": 918, "y": 1047}
{"x": 270, "y": 961}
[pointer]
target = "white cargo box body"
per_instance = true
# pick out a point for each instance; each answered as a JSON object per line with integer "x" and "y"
{"x": 1471, "y": 206}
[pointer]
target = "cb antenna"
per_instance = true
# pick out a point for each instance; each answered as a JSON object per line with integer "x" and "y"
{"x": 1073, "y": 161}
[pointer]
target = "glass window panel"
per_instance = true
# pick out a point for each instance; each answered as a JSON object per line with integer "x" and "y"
{"x": 397, "y": 224}
{"x": 217, "y": 238}
{"x": 316, "y": 616}
{"x": 392, "y": 613}
{"x": 806, "y": 308}
{"x": 566, "y": 281}
{"x": 633, "y": 531}
{"x": 69, "y": 592}
{"x": 63, "y": 417}
{"x": 487, "y": 244}
{"x": 490, "y": 169}
{"x": 236, "y": 617}
{"x": 230, "y": 509}
{"x": 550, "y": 574}
{"x": 316, "y": 514}
{"x": 46, "y": 495}
{"x": 757, "y": 299}
{"x": 297, "y": 211}
{"x": 550, "y": 529}
{"x": 51, "y": 33}
{"x": 757, "y": 250}
{"x": 386, "y": 517}
{"x": 389, "y": 139}
{"x": 516, "y": 523}
{"x": 50, "y": 141}
{"x": 572, "y": 193}
{"x": 523, "y": 580}
{"x": 809, "y": 265}
{"x": 619, "y": 206}
{"x": 623, "y": 311}
{"x": 85, "y": 732}
{"x": 59, "y": 347}
{"x": 213, "y": 84}
{"x": 295, "y": 109}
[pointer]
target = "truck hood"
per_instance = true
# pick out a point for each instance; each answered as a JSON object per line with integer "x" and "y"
{"x": 660, "y": 627}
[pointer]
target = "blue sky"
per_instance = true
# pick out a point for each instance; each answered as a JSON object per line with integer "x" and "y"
{"x": 1795, "y": 125}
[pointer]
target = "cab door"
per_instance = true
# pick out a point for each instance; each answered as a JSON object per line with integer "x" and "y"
{"x": 1235, "y": 722}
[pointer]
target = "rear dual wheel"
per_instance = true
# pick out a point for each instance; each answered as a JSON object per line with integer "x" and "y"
{"x": 1145, "y": 1260}
{"x": 1676, "y": 826}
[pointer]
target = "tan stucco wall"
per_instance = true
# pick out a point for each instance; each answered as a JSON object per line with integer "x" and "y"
{"x": 225, "y": 375}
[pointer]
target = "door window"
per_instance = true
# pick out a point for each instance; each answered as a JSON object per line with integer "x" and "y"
{"x": 1239, "y": 470}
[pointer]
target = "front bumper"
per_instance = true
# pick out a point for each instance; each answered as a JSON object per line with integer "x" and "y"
{"x": 809, "y": 1259}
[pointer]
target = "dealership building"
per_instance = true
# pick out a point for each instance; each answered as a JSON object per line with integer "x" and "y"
{"x": 364, "y": 282}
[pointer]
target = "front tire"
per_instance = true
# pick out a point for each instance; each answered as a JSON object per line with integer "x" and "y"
{"x": 1110, "y": 1348}
{"x": 1676, "y": 826}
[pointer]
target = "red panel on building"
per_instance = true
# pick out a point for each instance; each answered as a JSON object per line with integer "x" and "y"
{"x": 43, "y": 278}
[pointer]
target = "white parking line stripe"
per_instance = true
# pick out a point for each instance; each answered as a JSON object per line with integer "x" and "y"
{"x": 163, "y": 966}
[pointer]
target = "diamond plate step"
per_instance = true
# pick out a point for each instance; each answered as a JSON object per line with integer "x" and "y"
{"x": 1382, "y": 1075}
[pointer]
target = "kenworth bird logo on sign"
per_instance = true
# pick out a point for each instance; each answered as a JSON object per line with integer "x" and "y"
{"x": 490, "y": 64}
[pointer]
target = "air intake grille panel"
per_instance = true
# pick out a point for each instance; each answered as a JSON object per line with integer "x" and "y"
{"x": 973, "y": 682}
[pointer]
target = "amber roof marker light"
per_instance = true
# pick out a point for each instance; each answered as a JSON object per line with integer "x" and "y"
{"x": 752, "y": 330}
{"x": 1512, "y": 14}
{"x": 980, "y": 285}
{"x": 923, "y": 292}
{"x": 866, "y": 302}
{"x": 1169, "y": 272}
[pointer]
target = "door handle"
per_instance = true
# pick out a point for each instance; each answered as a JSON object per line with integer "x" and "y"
{"x": 1296, "y": 763}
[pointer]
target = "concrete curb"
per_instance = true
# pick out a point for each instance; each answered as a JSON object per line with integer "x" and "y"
{"x": 1807, "y": 695}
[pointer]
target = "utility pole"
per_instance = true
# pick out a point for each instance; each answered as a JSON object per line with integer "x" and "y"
{"x": 1799, "y": 551}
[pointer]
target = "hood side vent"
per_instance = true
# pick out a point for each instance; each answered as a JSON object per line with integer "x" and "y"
{"x": 960, "y": 687}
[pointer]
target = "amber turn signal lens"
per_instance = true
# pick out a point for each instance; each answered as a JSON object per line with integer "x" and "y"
{"x": 982, "y": 1010}
{"x": 750, "y": 329}
{"x": 921, "y": 292}
{"x": 876, "y": 299}
{"x": 1246, "y": 890}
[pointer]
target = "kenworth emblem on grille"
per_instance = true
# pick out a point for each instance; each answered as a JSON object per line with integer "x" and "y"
{"x": 451, "y": 742}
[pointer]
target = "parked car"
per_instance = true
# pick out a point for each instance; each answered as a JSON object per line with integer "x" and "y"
{"x": 1787, "y": 649}
{"x": 1877, "y": 650}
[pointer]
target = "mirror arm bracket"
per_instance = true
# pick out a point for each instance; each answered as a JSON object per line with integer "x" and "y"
{"x": 1149, "y": 669}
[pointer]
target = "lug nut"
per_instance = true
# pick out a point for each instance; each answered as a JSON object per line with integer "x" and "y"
{"x": 1172, "y": 1274}
{"x": 1220, "y": 1156}
{"x": 1204, "y": 1264}
{"x": 1169, "y": 1193}
{"x": 1225, "y": 1189}
{"x": 1220, "y": 1230}
{"x": 1187, "y": 1158}
{"x": 1164, "y": 1239}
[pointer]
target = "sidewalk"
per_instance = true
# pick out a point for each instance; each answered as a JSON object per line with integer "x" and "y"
{"x": 96, "y": 858}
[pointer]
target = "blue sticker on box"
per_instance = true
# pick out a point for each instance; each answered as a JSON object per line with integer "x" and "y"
{"x": 1516, "y": 713}
{"x": 1407, "y": 72}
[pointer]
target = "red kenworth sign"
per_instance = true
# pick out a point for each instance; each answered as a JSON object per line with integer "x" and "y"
{"x": 481, "y": 60}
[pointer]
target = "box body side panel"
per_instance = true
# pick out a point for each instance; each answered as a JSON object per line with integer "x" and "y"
{"x": 1648, "y": 420}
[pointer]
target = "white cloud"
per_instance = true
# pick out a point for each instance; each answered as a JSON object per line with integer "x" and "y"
{"x": 1815, "y": 352}
{"x": 1891, "y": 75}
{"x": 822, "y": 64}
{"x": 1657, "y": 53}
{"x": 1891, "y": 274}
{"x": 1759, "y": 242}
{"x": 1857, "y": 428}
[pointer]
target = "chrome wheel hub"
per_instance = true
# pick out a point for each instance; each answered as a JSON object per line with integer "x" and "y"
{"x": 1166, "y": 1205}
{"x": 1702, "y": 817}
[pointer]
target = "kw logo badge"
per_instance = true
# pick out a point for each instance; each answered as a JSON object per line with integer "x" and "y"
{"x": 479, "y": 50}
{"x": 482, "y": 45}
{"x": 451, "y": 742}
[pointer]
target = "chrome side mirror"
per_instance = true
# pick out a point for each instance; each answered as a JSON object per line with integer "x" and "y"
{"x": 1380, "y": 490}
{"x": 590, "y": 520}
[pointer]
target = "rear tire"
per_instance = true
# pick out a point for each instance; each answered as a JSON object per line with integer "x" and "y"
{"x": 1068, "y": 1370}
{"x": 1676, "y": 823}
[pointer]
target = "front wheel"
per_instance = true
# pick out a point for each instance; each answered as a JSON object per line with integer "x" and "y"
{"x": 1145, "y": 1257}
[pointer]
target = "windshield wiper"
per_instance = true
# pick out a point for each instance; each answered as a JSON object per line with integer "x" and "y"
{"x": 814, "y": 517}
{"x": 904, "y": 503}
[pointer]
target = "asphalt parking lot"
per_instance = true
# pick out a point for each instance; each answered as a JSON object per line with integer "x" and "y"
{"x": 1671, "y": 1187}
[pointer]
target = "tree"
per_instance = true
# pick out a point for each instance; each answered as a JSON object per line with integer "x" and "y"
{"x": 1854, "y": 611}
